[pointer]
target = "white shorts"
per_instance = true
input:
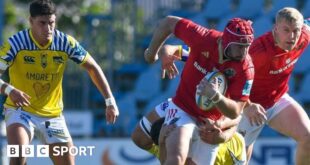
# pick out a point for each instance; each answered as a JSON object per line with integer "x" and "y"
{"x": 47, "y": 130}
{"x": 160, "y": 109}
{"x": 175, "y": 115}
{"x": 251, "y": 133}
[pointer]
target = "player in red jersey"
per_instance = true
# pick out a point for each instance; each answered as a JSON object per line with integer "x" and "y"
{"x": 210, "y": 50}
{"x": 274, "y": 55}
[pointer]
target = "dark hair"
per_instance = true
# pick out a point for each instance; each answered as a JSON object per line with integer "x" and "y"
{"x": 155, "y": 129}
{"x": 42, "y": 7}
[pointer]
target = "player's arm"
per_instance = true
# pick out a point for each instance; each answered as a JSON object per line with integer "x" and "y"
{"x": 228, "y": 107}
{"x": 168, "y": 54}
{"x": 97, "y": 76}
{"x": 18, "y": 97}
{"x": 161, "y": 33}
{"x": 218, "y": 131}
{"x": 255, "y": 113}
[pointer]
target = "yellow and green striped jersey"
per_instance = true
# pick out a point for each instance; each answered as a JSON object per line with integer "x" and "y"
{"x": 38, "y": 71}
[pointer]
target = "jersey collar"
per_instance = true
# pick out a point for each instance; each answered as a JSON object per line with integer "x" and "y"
{"x": 37, "y": 44}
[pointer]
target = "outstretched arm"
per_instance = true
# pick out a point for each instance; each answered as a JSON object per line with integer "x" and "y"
{"x": 227, "y": 106}
{"x": 99, "y": 79}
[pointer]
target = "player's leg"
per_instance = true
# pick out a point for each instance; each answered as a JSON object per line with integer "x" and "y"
{"x": 249, "y": 151}
{"x": 141, "y": 134}
{"x": 291, "y": 120}
{"x": 17, "y": 135}
{"x": 174, "y": 146}
{"x": 19, "y": 132}
{"x": 64, "y": 157}
{"x": 54, "y": 132}
{"x": 250, "y": 134}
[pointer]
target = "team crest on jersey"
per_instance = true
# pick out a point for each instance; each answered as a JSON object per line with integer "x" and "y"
{"x": 229, "y": 72}
{"x": 29, "y": 60}
{"x": 58, "y": 60}
{"x": 43, "y": 60}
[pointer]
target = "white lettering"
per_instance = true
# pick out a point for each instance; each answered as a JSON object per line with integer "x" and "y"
{"x": 283, "y": 68}
{"x": 198, "y": 67}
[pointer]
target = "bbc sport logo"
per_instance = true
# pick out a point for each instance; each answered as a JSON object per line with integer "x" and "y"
{"x": 44, "y": 151}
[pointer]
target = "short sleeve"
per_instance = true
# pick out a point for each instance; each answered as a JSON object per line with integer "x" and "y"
{"x": 190, "y": 32}
{"x": 6, "y": 55}
{"x": 77, "y": 52}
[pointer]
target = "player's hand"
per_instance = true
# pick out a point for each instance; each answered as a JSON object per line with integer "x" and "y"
{"x": 19, "y": 98}
{"x": 206, "y": 88}
{"x": 167, "y": 64}
{"x": 255, "y": 113}
{"x": 210, "y": 134}
{"x": 111, "y": 113}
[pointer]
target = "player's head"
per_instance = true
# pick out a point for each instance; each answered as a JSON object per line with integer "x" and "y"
{"x": 42, "y": 19}
{"x": 155, "y": 129}
{"x": 287, "y": 29}
{"x": 237, "y": 38}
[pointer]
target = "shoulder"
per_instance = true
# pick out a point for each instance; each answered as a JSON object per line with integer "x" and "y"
{"x": 261, "y": 47}
{"x": 59, "y": 35}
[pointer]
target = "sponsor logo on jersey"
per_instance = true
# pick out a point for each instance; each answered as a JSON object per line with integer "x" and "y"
{"x": 288, "y": 65}
{"x": 247, "y": 88}
{"x": 58, "y": 60}
{"x": 29, "y": 60}
{"x": 200, "y": 68}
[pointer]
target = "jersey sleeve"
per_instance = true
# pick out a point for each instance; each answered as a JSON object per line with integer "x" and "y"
{"x": 190, "y": 32}
{"x": 240, "y": 85}
{"x": 76, "y": 52}
{"x": 6, "y": 55}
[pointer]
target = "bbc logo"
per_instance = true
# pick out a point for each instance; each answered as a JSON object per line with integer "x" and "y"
{"x": 27, "y": 151}
{"x": 44, "y": 150}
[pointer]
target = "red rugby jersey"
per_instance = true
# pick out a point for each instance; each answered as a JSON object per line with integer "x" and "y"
{"x": 206, "y": 55}
{"x": 273, "y": 67}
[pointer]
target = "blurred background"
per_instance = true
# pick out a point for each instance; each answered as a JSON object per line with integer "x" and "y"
{"x": 116, "y": 33}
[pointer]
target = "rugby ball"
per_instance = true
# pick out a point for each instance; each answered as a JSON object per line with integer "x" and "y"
{"x": 203, "y": 102}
